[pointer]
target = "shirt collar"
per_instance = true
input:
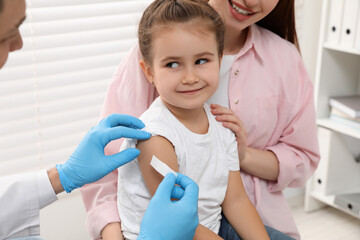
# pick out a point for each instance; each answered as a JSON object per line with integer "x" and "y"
{"x": 253, "y": 41}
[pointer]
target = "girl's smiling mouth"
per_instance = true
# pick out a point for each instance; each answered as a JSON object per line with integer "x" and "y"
{"x": 190, "y": 92}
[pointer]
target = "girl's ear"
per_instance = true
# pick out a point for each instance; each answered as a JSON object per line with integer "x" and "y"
{"x": 147, "y": 71}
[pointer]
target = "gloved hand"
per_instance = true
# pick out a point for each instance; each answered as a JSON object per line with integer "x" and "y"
{"x": 88, "y": 162}
{"x": 172, "y": 220}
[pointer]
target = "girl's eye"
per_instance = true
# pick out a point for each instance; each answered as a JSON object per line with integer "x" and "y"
{"x": 201, "y": 61}
{"x": 172, "y": 65}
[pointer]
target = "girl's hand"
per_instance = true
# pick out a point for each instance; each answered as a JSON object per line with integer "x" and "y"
{"x": 231, "y": 121}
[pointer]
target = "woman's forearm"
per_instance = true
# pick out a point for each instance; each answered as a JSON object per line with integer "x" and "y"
{"x": 262, "y": 164}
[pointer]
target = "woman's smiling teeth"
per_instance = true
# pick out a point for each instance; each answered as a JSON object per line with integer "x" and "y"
{"x": 239, "y": 10}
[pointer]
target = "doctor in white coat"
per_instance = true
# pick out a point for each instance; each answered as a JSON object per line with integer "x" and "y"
{"x": 22, "y": 196}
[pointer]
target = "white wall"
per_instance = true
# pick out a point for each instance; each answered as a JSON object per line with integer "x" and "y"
{"x": 64, "y": 219}
{"x": 309, "y": 33}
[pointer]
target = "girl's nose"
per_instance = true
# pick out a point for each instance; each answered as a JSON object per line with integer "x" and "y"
{"x": 190, "y": 77}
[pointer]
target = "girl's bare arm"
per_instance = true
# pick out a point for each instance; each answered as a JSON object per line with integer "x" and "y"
{"x": 240, "y": 212}
{"x": 112, "y": 231}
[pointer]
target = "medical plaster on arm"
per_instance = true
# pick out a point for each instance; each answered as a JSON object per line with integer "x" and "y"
{"x": 161, "y": 167}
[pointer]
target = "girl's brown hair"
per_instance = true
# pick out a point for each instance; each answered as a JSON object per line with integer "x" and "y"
{"x": 164, "y": 12}
{"x": 281, "y": 21}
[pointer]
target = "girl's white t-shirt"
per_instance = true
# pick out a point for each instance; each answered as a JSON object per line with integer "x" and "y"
{"x": 205, "y": 158}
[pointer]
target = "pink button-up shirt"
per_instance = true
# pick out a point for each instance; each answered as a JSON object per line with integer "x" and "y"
{"x": 269, "y": 90}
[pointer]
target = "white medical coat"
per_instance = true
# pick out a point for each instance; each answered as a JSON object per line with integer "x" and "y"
{"x": 21, "y": 198}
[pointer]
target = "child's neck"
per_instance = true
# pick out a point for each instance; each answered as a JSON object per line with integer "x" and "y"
{"x": 193, "y": 119}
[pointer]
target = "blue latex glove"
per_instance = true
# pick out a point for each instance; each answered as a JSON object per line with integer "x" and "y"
{"x": 88, "y": 162}
{"x": 172, "y": 220}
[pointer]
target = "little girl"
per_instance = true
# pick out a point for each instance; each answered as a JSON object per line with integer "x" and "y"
{"x": 182, "y": 43}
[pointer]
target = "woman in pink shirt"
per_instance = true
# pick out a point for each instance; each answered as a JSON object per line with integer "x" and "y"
{"x": 265, "y": 94}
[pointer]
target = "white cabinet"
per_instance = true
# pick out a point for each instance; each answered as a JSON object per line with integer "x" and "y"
{"x": 337, "y": 74}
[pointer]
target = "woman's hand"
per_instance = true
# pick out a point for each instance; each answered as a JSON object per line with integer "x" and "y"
{"x": 229, "y": 120}
{"x": 260, "y": 163}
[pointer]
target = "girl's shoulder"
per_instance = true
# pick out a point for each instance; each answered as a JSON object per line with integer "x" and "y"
{"x": 157, "y": 120}
{"x": 154, "y": 115}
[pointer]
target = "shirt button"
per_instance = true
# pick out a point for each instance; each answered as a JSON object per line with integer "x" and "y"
{"x": 236, "y": 72}
{"x": 236, "y": 101}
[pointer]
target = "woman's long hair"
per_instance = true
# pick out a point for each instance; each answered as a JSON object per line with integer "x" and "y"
{"x": 281, "y": 21}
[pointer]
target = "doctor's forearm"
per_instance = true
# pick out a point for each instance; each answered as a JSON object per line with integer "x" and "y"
{"x": 262, "y": 164}
{"x": 55, "y": 180}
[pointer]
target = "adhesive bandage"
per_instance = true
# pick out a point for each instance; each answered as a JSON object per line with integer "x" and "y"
{"x": 161, "y": 167}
